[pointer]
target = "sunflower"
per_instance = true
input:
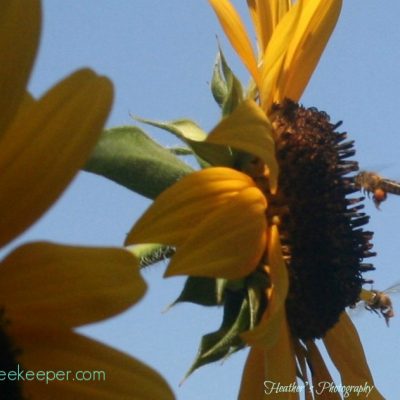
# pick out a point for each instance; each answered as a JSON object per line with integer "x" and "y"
{"x": 48, "y": 289}
{"x": 277, "y": 226}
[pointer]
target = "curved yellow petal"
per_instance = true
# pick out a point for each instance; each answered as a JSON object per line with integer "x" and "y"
{"x": 265, "y": 15}
{"x": 280, "y": 364}
{"x": 68, "y": 286}
{"x": 317, "y": 21}
{"x": 275, "y": 53}
{"x": 45, "y": 146}
{"x": 109, "y": 374}
{"x": 320, "y": 373}
{"x": 228, "y": 243}
{"x": 177, "y": 211}
{"x": 248, "y": 129}
{"x": 276, "y": 363}
{"x": 346, "y": 352}
{"x": 236, "y": 33}
{"x": 252, "y": 384}
{"x": 19, "y": 39}
{"x": 266, "y": 332}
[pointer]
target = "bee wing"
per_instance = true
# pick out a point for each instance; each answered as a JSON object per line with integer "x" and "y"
{"x": 393, "y": 289}
{"x": 390, "y": 186}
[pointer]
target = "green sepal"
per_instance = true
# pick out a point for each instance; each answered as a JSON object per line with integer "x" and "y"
{"x": 220, "y": 344}
{"x": 203, "y": 291}
{"x": 194, "y": 137}
{"x": 149, "y": 254}
{"x": 128, "y": 156}
{"x": 255, "y": 301}
{"x": 256, "y": 285}
{"x": 180, "y": 151}
{"x": 225, "y": 86}
{"x": 219, "y": 87}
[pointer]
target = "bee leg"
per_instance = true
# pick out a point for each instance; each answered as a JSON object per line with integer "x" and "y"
{"x": 378, "y": 197}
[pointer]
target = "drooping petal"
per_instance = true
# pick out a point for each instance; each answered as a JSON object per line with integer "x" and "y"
{"x": 177, "y": 211}
{"x": 248, "y": 129}
{"x": 228, "y": 243}
{"x": 275, "y": 53}
{"x": 45, "y": 146}
{"x": 346, "y": 352}
{"x": 105, "y": 373}
{"x": 265, "y": 333}
{"x": 236, "y": 33}
{"x": 252, "y": 385}
{"x": 317, "y": 21}
{"x": 68, "y": 286}
{"x": 278, "y": 365}
{"x": 320, "y": 374}
{"x": 17, "y": 52}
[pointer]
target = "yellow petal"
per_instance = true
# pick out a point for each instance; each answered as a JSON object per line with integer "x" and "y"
{"x": 46, "y": 145}
{"x": 320, "y": 374}
{"x": 228, "y": 243}
{"x": 266, "y": 332}
{"x": 236, "y": 33}
{"x": 178, "y": 210}
{"x": 109, "y": 373}
{"x": 317, "y": 21}
{"x": 266, "y": 14}
{"x": 68, "y": 286}
{"x": 252, "y": 385}
{"x": 278, "y": 366}
{"x": 19, "y": 39}
{"x": 248, "y": 129}
{"x": 275, "y": 53}
{"x": 346, "y": 352}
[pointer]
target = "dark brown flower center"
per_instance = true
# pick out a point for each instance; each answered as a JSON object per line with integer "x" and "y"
{"x": 321, "y": 233}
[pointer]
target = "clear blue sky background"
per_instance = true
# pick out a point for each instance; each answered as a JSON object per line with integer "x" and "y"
{"x": 159, "y": 55}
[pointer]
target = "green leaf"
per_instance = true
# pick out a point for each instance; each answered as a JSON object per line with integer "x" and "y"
{"x": 256, "y": 286}
{"x": 231, "y": 338}
{"x": 128, "y": 156}
{"x": 194, "y": 136}
{"x": 184, "y": 129}
{"x": 202, "y": 291}
{"x": 255, "y": 306}
{"x": 221, "y": 343}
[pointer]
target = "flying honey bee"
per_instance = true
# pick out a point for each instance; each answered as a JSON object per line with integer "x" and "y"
{"x": 380, "y": 302}
{"x": 370, "y": 182}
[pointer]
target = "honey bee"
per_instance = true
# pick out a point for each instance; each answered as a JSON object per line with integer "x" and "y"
{"x": 380, "y": 302}
{"x": 370, "y": 182}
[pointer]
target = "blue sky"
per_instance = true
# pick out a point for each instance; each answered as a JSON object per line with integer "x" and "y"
{"x": 159, "y": 54}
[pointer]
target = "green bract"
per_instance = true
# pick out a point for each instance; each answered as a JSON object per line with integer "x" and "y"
{"x": 225, "y": 87}
{"x": 194, "y": 136}
{"x": 128, "y": 156}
